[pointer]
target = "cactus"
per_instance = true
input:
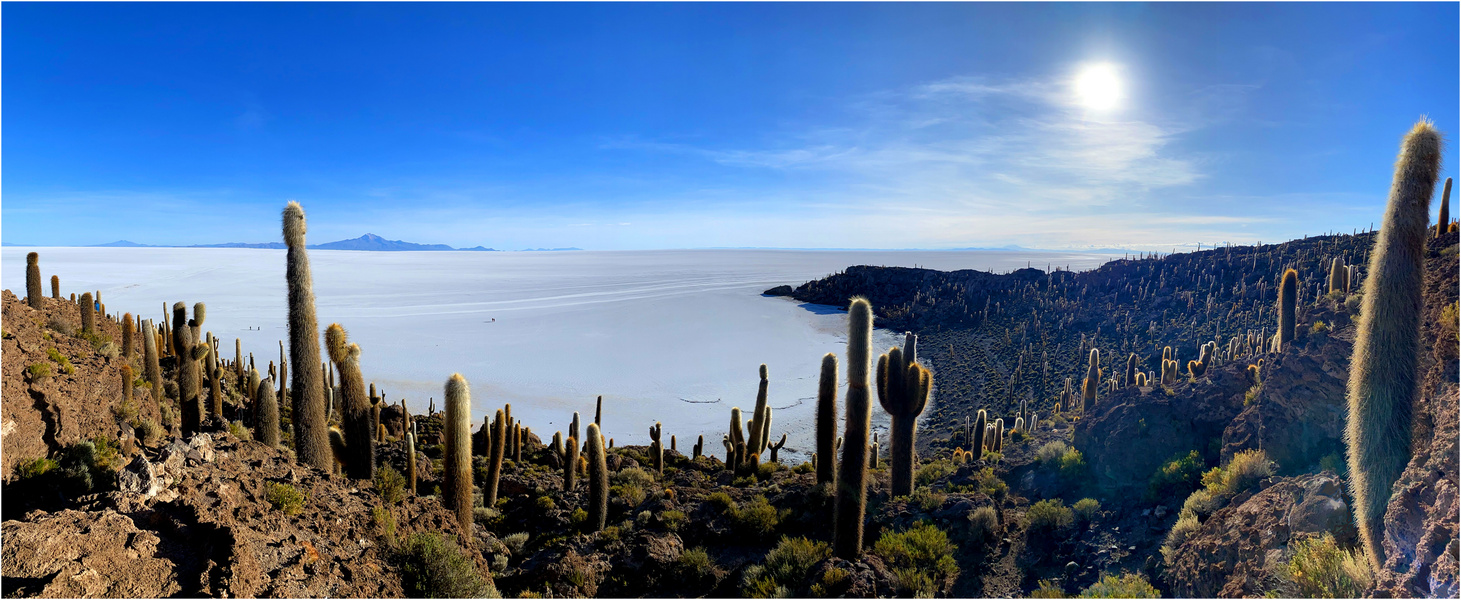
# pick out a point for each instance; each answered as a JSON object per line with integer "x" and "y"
{"x": 1383, "y": 377}
{"x": 827, "y": 419}
{"x": 56, "y": 287}
{"x": 127, "y": 378}
{"x": 494, "y": 461}
{"x": 851, "y": 501}
{"x": 306, "y": 389}
{"x": 903, "y": 388}
{"x": 411, "y": 460}
{"x": 150, "y": 364}
{"x": 190, "y": 403}
{"x": 979, "y": 440}
{"x": 736, "y": 435}
{"x": 699, "y": 447}
{"x": 127, "y": 335}
{"x": 1443, "y": 220}
{"x": 339, "y": 453}
{"x": 1336, "y": 275}
{"x": 599, "y": 413}
{"x": 88, "y": 318}
{"x": 673, "y": 447}
{"x": 598, "y": 479}
{"x": 730, "y": 451}
{"x": 656, "y": 448}
{"x": 1092, "y": 381}
{"x": 33, "y": 280}
{"x": 200, "y": 312}
{"x": 1288, "y": 300}
{"x": 573, "y": 427}
{"x": 757, "y": 430}
{"x": 266, "y": 424}
{"x": 570, "y": 463}
{"x": 359, "y": 424}
{"x": 775, "y": 448}
{"x": 456, "y": 489}
{"x": 872, "y": 454}
{"x": 1130, "y": 378}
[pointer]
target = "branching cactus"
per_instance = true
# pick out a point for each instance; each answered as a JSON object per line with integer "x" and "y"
{"x": 598, "y": 478}
{"x": 827, "y": 420}
{"x": 776, "y": 448}
{"x": 306, "y": 388}
{"x": 851, "y": 500}
{"x": 903, "y": 388}
{"x": 656, "y": 448}
{"x": 359, "y": 422}
{"x": 757, "y": 430}
{"x": 699, "y": 447}
{"x": 33, "y": 280}
{"x": 1384, "y": 370}
{"x": 190, "y": 402}
{"x": 457, "y": 472}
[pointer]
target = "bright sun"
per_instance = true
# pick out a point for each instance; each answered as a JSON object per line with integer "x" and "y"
{"x": 1098, "y": 87}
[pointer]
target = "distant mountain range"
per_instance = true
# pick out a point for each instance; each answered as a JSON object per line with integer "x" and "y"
{"x": 369, "y": 242}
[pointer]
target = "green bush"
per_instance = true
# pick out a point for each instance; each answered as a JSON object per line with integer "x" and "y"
{"x": 1202, "y": 503}
{"x": 60, "y": 360}
{"x": 832, "y": 584}
{"x": 432, "y": 566}
{"x": 1186, "y": 525}
{"x": 1048, "y": 516}
{"x": 927, "y": 499}
{"x": 1335, "y": 463}
{"x": 578, "y": 517}
{"x": 694, "y": 565}
{"x": 35, "y": 467}
{"x": 1178, "y": 476}
{"x": 390, "y": 484}
{"x": 1129, "y": 585}
{"x": 1245, "y": 470}
{"x": 785, "y": 567}
{"x": 39, "y": 371}
{"x": 1086, "y": 509}
{"x": 1072, "y": 465}
{"x": 149, "y": 432}
{"x": 922, "y": 559}
{"x": 932, "y": 472}
{"x": 757, "y": 518}
{"x": 673, "y": 519}
{"x": 237, "y": 429}
{"x": 633, "y": 476}
{"x": 1047, "y": 589}
{"x": 986, "y": 482}
{"x": 284, "y": 498}
{"x": 803, "y": 468}
{"x": 721, "y": 501}
{"x": 1050, "y": 453}
{"x": 1321, "y": 569}
{"x": 984, "y": 524}
{"x": 382, "y": 518}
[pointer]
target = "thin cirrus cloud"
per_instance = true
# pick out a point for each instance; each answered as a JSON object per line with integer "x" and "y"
{"x": 969, "y": 161}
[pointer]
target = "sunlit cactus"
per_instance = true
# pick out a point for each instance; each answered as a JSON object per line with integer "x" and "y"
{"x": 306, "y": 388}
{"x": 456, "y": 486}
{"x": 851, "y": 499}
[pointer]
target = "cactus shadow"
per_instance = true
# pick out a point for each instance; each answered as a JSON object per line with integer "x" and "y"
{"x": 822, "y": 309}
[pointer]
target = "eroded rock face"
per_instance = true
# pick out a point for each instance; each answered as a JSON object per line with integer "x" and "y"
{"x": 1238, "y": 546}
{"x": 1130, "y": 434}
{"x": 74, "y": 554}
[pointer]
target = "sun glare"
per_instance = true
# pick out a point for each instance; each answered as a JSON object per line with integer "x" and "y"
{"x": 1098, "y": 87}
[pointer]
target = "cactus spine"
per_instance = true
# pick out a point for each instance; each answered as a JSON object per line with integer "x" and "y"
{"x": 88, "y": 316}
{"x": 311, "y": 436}
{"x": 1383, "y": 377}
{"x": 266, "y": 425}
{"x": 851, "y": 502}
{"x": 598, "y": 479}
{"x": 494, "y": 462}
{"x": 827, "y": 420}
{"x": 457, "y": 473}
{"x": 359, "y": 424}
{"x": 903, "y": 387}
{"x": 33, "y": 280}
{"x": 1288, "y": 301}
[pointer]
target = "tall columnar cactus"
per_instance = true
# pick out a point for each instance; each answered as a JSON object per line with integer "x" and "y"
{"x": 573, "y": 427}
{"x": 127, "y": 378}
{"x": 266, "y": 424}
{"x": 999, "y": 435}
{"x": 200, "y": 312}
{"x": 1443, "y": 220}
{"x": 1130, "y": 378}
{"x": 190, "y": 402}
{"x": 1336, "y": 275}
{"x": 736, "y": 435}
{"x": 238, "y": 366}
{"x": 656, "y": 448}
{"x": 359, "y": 424}
{"x": 757, "y": 441}
{"x": 56, "y": 287}
{"x": 851, "y": 502}
{"x": 127, "y": 335}
{"x": 570, "y": 463}
{"x": 903, "y": 388}
{"x": 150, "y": 365}
{"x": 33, "y": 280}
{"x": 88, "y": 318}
{"x": 599, "y": 412}
{"x": 1384, "y": 372}
{"x": 307, "y": 392}
{"x": 411, "y": 460}
{"x": 457, "y": 469}
{"x": 1288, "y": 302}
{"x": 827, "y": 419}
{"x": 699, "y": 447}
{"x": 498, "y": 453}
{"x": 215, "y": 375}
{"x": 1092, "y": 381}
{"x": 978, "y": 443}
{"x": 598, "y": 480}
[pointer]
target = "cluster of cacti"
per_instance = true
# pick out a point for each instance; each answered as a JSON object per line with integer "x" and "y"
{"x": 903, "y": 387}
{"x": 827, "y": 420}
{"x": 1169, "y": 367}
{"x": 1384, "y": 371}
{"x": 496, "y": 454}
{"x": 851, "y": 498}
{"x": 306, "y": 389}
{"x": 190, "y": 401}
{"x": 360, "y": 426}
{"x": 456, "y": 486}
{"x": 699, "y": 447}
{"x": 962, "y": 456}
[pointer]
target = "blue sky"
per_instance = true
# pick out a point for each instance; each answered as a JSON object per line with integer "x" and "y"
{"x": 631, "y": 126}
